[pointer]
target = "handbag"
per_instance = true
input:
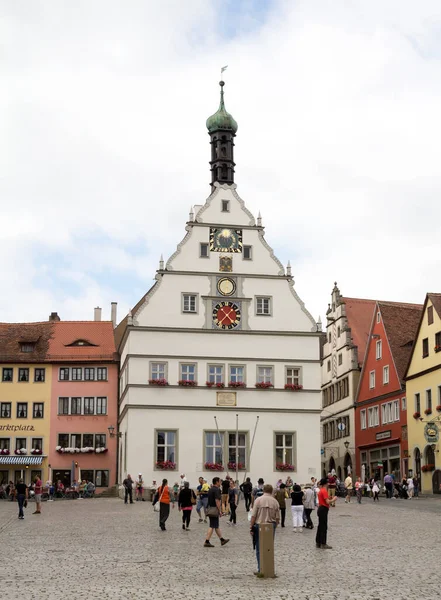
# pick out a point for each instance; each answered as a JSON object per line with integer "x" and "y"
{"x": 193, "y": 498}
{"x": 157, "y": 505}
{"x": 212, "y": 511}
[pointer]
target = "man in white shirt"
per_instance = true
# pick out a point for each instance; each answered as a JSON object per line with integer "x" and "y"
{"x": 182, "y": 482}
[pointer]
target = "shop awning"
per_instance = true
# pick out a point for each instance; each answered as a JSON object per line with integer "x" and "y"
{"x": 21, "y": 460}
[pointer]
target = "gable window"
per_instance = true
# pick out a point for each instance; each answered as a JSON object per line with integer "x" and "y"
{"x": 89, "y": 374}
{"x": 363, "y": 419}
{"x": 429, "y": 400}
{"x": 417, "y": 403}
{"x": 263, "y": 306}
{"x": 372, "y": 380}
{"x": 215, "y": 373}
{"x": 157, "y": 370}
{"x": 63, "y": 406}
{"x": 75, "y": 406}
{"x": 101, "y": 374}
{"x": 63, "y": 374}
{"x": 378, "y": 349}
{"x": 23, "y": 374}
{"x": 77, "y": 374}
{"x": 189, "y": 303}
{"x": 39, "y": 375}
{"x": 203, "y": 250}
{"x": 425, "y": 347}
{"x": 378, "y": 317}
{"x": 7, "y": 374}
{"x": 264, "y": 374}
{"x": 403, "y": 404}
{"x": 22, "y": 410}
{"x": 101, "y": 405}
{"x": 165, "y": 446}
{"x": 38, "y": 410}
{"x": 89, "y": 404}
{"x": 292, "y": 376}
{"x": 429, "y": 315}
{"x": 237, "y": 374}
{"x": 248, "y": 253}
{"x": 5, "y": 410}
{"x": 340, "y": 359}
{"x": 225, "y": 206}
{"x": 386, "y": 374}
{"x": 188, "y": 372}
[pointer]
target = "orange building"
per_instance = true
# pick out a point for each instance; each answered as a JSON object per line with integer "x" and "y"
{"x": 84, "y": 406}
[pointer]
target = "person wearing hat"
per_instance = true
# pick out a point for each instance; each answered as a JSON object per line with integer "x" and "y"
{"x": 324, "y": 502}
{"x": 139, "y": 488}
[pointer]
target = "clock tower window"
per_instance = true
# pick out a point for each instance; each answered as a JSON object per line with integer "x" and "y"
{"x": 263, "y": 305}
{"x": 203, "y": 252}
{"x": 247, "y": 253}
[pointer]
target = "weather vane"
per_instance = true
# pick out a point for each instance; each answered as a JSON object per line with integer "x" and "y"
{"x": 223, "y": 69}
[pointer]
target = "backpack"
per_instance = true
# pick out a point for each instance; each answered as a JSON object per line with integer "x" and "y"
{"x": 258, "y": 492}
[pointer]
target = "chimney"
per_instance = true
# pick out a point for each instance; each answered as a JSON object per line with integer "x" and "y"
{"x": 97, "y": 314}
{"x": 53, "y": 317}
{"x": 113, "y": 312}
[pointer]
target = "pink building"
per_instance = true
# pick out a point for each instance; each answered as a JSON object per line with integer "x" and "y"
{"x": 84, "y": 403}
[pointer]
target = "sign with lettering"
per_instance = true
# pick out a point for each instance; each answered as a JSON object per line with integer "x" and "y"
{"x": 17, "y": 428}
{"x": 431, "y": 433}
{"x": 226, "y": 398}
{"x": 383, "y": 435}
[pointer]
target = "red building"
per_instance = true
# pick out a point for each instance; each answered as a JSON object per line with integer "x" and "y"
{"x": 380, "y": 411}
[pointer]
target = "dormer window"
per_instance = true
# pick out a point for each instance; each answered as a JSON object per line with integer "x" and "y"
{"x": 80, "y": 343}
{"x": 27, "y": 347}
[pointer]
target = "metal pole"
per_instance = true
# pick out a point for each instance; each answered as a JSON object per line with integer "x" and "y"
{"x": 222, "y": 446}
{"x": 251, "y": 448}
{"x": 237, "y": 448}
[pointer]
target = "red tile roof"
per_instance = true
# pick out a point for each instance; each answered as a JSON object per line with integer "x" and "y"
{"x": 97, "y": 333}
{"x": 401, "y": 325}
{"x": 12, "y": 335}
{"x": 359, "y": 313}
{"x": 436, "y": 301}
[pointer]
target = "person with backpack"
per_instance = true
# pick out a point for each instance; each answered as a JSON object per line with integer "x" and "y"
{"x": 281, "y": 495}
{"x": 246, "y": 488}
{"x": 186, "y": 499}
{"x": 258, "y": 491}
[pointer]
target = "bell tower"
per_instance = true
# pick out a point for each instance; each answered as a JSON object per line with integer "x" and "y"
{"x": 222, "y": 130}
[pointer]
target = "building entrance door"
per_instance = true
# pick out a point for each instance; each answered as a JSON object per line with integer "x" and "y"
{"x": 436, "y": 482}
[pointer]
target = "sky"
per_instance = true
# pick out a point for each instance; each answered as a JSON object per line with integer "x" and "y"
{"x": 104, "y": 147}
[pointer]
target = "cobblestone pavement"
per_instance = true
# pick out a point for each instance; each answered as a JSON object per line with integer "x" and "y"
{"x": 105, "y": 549}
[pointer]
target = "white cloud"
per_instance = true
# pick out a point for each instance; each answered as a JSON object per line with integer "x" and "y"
{"x": 104, "y": 147}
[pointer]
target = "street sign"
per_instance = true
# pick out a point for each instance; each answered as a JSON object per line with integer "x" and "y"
{"x": 322, "y": 451}
{"x": 341, "y": 426}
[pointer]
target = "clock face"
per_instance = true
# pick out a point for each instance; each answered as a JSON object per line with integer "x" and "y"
{"x": 225, "y": 240}
{"x": 226, "y": 315}
{"x": 226, "y": 286}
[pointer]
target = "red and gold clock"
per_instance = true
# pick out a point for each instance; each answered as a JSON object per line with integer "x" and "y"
{"x": 226, "y": 315}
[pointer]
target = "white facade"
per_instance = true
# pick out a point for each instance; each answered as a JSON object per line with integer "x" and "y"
{"x": 174, "y": 334}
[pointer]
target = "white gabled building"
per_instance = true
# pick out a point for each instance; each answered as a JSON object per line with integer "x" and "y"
{"x": 224, "y": 313}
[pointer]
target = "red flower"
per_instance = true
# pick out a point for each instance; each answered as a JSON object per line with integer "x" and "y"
{"x": 428, "y": 411}
{"x": 159, "y": 382}
{"x": 237, "y": 384}
{"x": 264, "y": 385}
{"x": 213, "y": 466}
{"x": 187, "y": 383}
{"x": 293, "y": 386}
{"x": 416, "y": 415}
{"x": 166, "y": 465}
{"x": 284, "y": 467}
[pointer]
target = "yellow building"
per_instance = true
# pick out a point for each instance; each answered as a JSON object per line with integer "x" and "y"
{"x": 25, "y": 396}
{"x": 423, "y": 392}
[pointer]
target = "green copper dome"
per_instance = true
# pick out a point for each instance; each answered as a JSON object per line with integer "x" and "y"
{"x": 221, "y": 119}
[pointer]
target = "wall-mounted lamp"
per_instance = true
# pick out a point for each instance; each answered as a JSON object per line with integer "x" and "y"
{"x": 111, "y": 430}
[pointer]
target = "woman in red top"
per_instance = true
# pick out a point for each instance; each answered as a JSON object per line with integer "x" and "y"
{"x": 324, "y": 502}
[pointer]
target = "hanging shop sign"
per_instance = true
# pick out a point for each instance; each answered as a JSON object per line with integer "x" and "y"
{"x": 431, "y": 433}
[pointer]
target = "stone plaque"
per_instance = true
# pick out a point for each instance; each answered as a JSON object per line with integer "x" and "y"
{"x": 226, "y": 398}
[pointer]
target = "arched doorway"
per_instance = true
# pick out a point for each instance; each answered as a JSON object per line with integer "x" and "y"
{"x": 339, "y": 472}
{"x": 417, "y": 463}
{"x": 348, "y": 464}
{"x": 429, "y": 456}
{"x": 436, "y": 482}
{"x": 331, "y": 464}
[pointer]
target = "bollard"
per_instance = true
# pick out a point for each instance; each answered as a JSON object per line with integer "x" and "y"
{"x": 266, "y": 541}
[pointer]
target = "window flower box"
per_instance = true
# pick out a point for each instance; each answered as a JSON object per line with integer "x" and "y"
{"x": 264, "y": 385}
{"x": 293, "y": 387}
{"x": 427, "y": 468}
{"x": 438, "y": 408}
{"x": 36, "y": 451}
{"x": 237, "y": 384}
{"x": 416, "y": 415}
{"x": 437, "y": 348}
{"x": 211, "y": 384}
{"x": 21, "y": 451}
{"x": 428, "y": 411}
{"x": 284, "y": 467}
{"x": 158, "y": 382}
{"x": 101, "y": 450}
{"x": 4, "y": 451}
{"x": 87, "y": 450}
{"x": 166, "y": 465}
{"x": 240, "y": 466}
{"x": 208, "y": 466}
{"x": 187, "y": 383}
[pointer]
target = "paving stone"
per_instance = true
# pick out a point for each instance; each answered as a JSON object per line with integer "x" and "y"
{"x": 109, "y": 550}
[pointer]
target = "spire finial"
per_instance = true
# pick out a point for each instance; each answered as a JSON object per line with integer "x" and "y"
{"x": 259, "y": 220}
{"x": 161, "y": 263}
{"x": 191, "y": 214}
{"x": 288, "y": 269}
{"x": 319, "y": 324}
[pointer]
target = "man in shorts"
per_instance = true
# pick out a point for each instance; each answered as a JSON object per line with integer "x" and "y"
{"x": 38, "y": 489}
{"x": 214, "y": 511}
{"x": 332, "y": 485}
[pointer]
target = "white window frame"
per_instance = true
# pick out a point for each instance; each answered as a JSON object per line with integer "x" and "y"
{"x": 385, "y": 374}
{"x": 250, "y": 252}
{"x": 216, "y": 376}
{"x": 196, "y": 303}
{"x": 263, "y": 372}
{"x": 100, "y": 371}
{"x": 101, "y": 401}
{"x": 237, "y": 378}
{"x": 396, "y": 410}
{"x": 188, "y": 376}
{"x": 378, "y": 349}
{"x": 64, "y": 378}
{"x": 74, "y": 372}
{"x": 200, "y": 250}
{"x": 292, "y": 379}
{"x": 156, "y": 368}
{"x": 384, "y": 414}
{"x": 286, "y": 447}
{"x": 166, "y": 445}
{"x": 372, "y": 380}
{"x": 363, "y": 422}
{"x": 218, "y": 442}
{"x": 260, "y": 306}
{"x": 373, "y": 417}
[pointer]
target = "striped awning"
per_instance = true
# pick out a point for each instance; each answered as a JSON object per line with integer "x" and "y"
{"x": 21, "y": 460}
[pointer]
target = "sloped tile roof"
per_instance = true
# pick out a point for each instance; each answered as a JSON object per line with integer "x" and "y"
{"x": 359, "y": 313}
{"x": 97, "y": 333}
{"x": 436, "y": 301}
{"x": 12, "y": 335}
{"x": 401, "y": 325}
